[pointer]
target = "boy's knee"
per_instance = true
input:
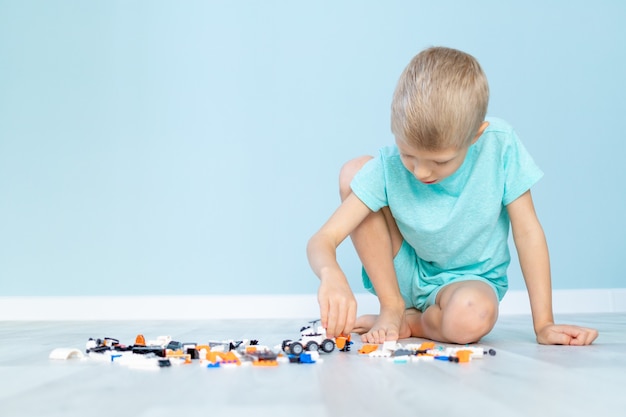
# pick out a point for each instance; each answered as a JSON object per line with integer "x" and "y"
{"x": 469, "y": 328}
{"x": 470, "y": 315}
{"x": 347, "y": 173}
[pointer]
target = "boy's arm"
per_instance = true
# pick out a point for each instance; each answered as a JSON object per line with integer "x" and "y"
{"x": 534, "y": 261}
{"x": 337, "y": 302}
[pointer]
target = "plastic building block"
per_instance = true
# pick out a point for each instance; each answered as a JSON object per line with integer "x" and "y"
{"x": 343, "y": 343}
{"x": 164, "y": 363}
{"x": 261, "y": 356}
{"x": 427, "y": 346}
{"x": 203, "y": 350}
{"x": 306, "y": 358}
{"x": 223, "y": 358}
{"x": 464, "y": 355}
{"x": 156, "y": 350}
{"x": 402, "y": 352}
{"x": 390, "y": 345}
{"x": 231, "y": 357}
{"x": 102, "y": 345}
{"x": 265, "y": 363}
{"x": 446, "y": 358}
{"x": 178, "y": 354}
{"x": 380, "y": 353}
{"x": 250, "y": 350}
{"x": 193, "y": 353}
{"x": 66, "y": 353}
{"x": 173, "y": 345}
{"x": 367, "y": 348}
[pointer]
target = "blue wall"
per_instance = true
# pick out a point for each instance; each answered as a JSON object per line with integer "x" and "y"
{"x": 193, "y": 147}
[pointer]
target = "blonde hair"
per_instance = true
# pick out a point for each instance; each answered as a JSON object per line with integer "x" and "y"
{"x": 440, "y": 100}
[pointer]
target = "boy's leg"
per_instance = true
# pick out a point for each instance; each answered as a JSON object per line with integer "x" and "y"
{"x": 463, "y": 313}
{"x": 377, "y": 240}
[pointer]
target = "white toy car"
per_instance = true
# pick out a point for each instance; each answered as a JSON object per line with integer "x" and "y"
{"x": 312, "y": 338}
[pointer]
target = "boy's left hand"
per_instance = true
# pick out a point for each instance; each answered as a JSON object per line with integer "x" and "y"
{"x": 565, "y": 334}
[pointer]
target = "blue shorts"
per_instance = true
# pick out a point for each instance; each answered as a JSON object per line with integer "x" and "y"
{"x": 420, "y": 291}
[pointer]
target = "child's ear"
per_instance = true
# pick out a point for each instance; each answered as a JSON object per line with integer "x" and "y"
{"x": 481, "y": 130}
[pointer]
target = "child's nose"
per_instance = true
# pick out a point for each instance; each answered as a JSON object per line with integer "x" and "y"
{"x": 422, "y": 172}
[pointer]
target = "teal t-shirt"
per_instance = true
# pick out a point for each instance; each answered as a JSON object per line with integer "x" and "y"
{"x": 459, "y": 226}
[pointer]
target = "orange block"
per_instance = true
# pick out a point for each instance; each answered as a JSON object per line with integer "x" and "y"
{"x": 178, "y": 354}
{"x": 226, "y": 357}
{"x": 207, "y": 348}
{"x": 427, "y": 346}
{"x": 265, "y": 363}
{"x": 140, "y": 340}
{"x": 341, "y": 342}
{"x": 212, "y": 356}
{"x": 367, "y": 348}
{"x": 231, "y": 357}
{"x": 464, "y": 355}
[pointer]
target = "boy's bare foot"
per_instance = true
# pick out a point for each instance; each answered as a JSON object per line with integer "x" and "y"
{"x": 380, "y": 328}
{"x": 374, "y": 329}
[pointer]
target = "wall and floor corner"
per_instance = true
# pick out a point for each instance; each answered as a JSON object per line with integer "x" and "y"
{"x": 159, "y": 157}
{"x": 288, "y": 306}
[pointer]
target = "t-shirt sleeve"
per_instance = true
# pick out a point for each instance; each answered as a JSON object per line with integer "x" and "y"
{"x": 521, "y": 171}
{"x": 369, "y": 184}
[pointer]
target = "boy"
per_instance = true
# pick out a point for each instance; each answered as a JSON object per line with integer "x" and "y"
{"x": 429, "y": 218}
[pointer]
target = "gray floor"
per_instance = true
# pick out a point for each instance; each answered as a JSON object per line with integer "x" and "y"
{"x": 523, "y": 379}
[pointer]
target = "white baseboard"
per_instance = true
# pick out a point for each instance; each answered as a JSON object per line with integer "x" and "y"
{"x": 611, "y": 300}
{"x": 260, "y": 306}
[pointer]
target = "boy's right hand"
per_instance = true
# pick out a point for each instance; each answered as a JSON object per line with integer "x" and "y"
{"x": 337, "y": 304}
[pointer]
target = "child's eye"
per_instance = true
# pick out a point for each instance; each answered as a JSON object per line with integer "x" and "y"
{"x": 441, "y": 162}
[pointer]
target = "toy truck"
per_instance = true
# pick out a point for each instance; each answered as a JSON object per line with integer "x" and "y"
{"x": 312, "y": 338}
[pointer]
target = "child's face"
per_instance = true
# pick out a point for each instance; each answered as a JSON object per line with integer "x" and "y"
{"x": 431, "y": 167}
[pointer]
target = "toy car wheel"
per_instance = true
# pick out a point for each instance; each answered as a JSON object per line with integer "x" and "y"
{"x": 328, "y": 345}
{"x": 312, "y": 346}
{"x": 296, "y": 348}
